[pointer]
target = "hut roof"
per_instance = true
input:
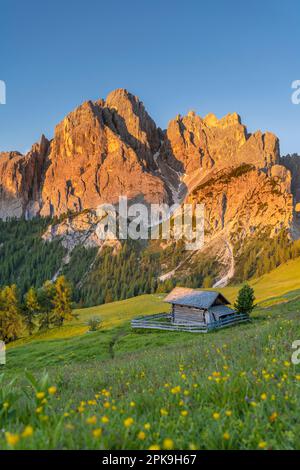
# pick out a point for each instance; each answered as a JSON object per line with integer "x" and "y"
{"x": 220, "y": 310}
{"x": 194, "y": 298}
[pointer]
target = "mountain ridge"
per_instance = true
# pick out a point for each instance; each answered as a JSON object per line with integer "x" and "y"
{"x": 109, "y": 148}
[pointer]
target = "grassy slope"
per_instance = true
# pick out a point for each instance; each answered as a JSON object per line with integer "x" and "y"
{"x": 275, "y": 285}
{"x": 279, "y": 285}
{"x": 242, "y": 373}
{"x": 222, "y": 371}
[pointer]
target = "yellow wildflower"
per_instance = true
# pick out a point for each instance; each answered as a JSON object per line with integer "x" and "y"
{"x": 40, "y": 395}
{"x": 141, "y": 436}
{"x": 216, "y": 416}
{"x": 228, "y": 413}
{"x": 226, "y": 436}
{"x": 128, "y": 422}
{"x": 262, "y": 445}
{"x": 28, "y": 431}
{"x": 163, "y": 412}
{"x": 105, "y": 419}
{"x": 147, "y": 426}
{"x": 44, "y": 418}
{"x": 168, "y": 444}
{"x": 97, "y": 432}
{"x": 91, "y": 420}
{"x": 273, "y": 417}
{"x": 92, "y": 402}
{"x": 263, "y": 396}
{"x": 52, "y": 390}
{"x": 12, "y": 439}
{"x": 184, "y": 413}
{"x": 154, "y": 447}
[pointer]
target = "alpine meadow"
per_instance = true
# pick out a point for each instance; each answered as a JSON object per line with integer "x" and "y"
{"x": 149, "y": 232}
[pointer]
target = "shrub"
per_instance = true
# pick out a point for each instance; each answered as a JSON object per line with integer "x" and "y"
{"x": 94, "y": 323}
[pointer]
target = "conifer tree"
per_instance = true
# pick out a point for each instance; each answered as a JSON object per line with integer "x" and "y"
{"x": 245, "y": 300}
{"x": 11, "y": 321}
{"x": 45, "y": 299}
{"x": 32, "y": 308}
{"x": 62, "y": 302}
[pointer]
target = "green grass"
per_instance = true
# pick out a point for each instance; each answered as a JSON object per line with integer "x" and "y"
{"x": 280, "y": 285}
{"x": 236, "y": 387}
{"x": 274, "y": 285}
{"x": 112, "y": 315}
{"x": 151, "y": 377}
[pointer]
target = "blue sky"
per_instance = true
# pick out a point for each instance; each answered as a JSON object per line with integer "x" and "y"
{"x": 218, "y": 56}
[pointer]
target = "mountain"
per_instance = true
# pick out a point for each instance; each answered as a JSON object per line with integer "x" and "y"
{"x": 112, "y": 147}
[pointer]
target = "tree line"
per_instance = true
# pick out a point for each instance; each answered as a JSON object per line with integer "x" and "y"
{"x": 38, "y": 310}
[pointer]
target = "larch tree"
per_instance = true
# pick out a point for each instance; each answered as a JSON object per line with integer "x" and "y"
{"x": 32, "y": 308}
{"x": 11, "y": 320}
{"x": 45, "y": 299}
{"x": 62, "y": 302}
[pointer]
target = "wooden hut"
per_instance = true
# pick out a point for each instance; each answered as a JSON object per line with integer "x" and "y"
{"x": 204, "y": 307}
{"x": 196, "y": 311}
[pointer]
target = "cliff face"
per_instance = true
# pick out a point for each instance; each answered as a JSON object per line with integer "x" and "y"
{"x": 99, "y": 152}
{"x": 21, "y": 180}
{"x": 243, "y": 201}
{"x": 112, "y": 147}
{"x": 194, "y": 147}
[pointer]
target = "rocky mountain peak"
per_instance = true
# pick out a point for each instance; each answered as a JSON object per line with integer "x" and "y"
{"x": 112, "y": 147}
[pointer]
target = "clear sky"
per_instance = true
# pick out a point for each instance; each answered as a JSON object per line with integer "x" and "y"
{"x": 217, "y": 56}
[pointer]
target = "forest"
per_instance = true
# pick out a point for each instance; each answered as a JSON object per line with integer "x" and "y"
{"x": 27, "y": 261}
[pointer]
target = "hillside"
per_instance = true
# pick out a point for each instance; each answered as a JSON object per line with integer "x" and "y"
{"x": 112, "y": 147}
{"x": 279, "y": 286}
{"x": 117, "y": 388}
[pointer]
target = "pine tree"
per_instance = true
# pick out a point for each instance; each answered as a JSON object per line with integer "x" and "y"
{"x": 32, "y": 308}
{"x": 245, "y": 300}
{"x": 62, "y": 302}
{"x": 11, "y": 321}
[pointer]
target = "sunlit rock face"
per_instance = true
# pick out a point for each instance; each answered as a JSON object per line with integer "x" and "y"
{"x": 112, "y": 147}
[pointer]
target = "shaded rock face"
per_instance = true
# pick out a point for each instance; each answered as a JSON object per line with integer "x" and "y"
{"x": 111, "y": 148}
{"x": 21, "y": 179}
{"x": 244, "y": 201}
{"x": 292, "y": 163}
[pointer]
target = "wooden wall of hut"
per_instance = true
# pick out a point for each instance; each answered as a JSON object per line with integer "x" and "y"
{"x": 184, "y": 314}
